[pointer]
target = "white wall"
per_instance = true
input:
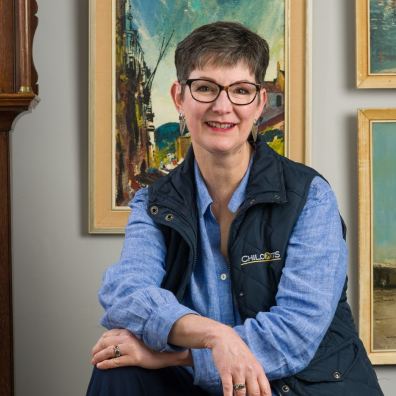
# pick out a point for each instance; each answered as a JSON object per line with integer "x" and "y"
{"x": 334, "y": 124}
{"x": 57, "y": 266}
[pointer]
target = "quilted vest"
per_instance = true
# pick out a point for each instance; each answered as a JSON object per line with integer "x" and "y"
{"x": 275, "y": 196}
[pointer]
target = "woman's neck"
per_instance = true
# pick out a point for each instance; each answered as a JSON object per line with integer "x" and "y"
{"x": 222, "y": 174}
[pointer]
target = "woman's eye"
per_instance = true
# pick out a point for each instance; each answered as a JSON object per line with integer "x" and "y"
{"x": 204, "y": 88}
{"x": 240, "y": 91}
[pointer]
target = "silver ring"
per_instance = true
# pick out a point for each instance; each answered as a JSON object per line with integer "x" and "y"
{"x": 117, "y": 352}
{"x": 238, "y": 387}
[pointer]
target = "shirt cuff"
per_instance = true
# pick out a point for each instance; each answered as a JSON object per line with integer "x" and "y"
{"x": 205, "y": 372}
{"x": 159, "y": 324}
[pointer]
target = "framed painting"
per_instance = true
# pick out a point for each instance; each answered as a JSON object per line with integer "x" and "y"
{"x": 377, "y": 233}
{"x": 375, "y": 43}
{"x": 133, "y": 126}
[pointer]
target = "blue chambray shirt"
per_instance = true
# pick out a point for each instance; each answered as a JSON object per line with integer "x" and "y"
{"x": 284, "y": 339}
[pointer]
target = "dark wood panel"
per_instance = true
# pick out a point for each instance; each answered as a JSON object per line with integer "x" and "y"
{"x": 33, "y": 27}
{"x": 7, "y": 46}
{"x": 18, "y": 86}
{"x": 6, "y": 360}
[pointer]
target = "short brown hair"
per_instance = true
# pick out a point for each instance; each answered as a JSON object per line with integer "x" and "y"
{"x": 222, "y": 44}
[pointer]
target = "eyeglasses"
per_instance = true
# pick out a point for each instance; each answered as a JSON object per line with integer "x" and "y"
{"x": 207, "y": 91}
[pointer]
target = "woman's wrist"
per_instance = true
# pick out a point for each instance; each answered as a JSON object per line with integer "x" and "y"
{"x": 216, "y": 333}
{"x": 193, "y": 331}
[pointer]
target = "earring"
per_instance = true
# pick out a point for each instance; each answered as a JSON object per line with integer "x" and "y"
{"x": 255, "y": 130}
{"x": 182, "y": 123}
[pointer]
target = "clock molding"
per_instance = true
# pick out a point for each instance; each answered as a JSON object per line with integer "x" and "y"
{"x": 18, "y": 77}
{"x": 18, "y": 94}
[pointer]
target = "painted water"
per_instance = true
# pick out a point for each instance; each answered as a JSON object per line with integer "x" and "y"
{"x": 384, "y": 234}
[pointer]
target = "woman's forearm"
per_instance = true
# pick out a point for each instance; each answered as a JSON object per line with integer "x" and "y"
{"x": 193, "y": 331}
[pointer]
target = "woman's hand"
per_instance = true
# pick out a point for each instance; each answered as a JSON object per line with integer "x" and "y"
{"x": 133, "y": 352}
{"x": 233, "y": 359}
{"x": 237, "y": 365}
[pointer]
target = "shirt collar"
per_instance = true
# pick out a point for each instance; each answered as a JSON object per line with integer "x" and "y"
{"x": 204, "y": 200}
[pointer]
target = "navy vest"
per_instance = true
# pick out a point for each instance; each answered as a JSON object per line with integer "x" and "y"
{"x": 275, "y": 196}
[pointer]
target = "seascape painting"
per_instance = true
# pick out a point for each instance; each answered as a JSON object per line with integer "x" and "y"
{"x": 146, "y": 140}
{"x": 382, "y": 36}
{"x": 384, "y": 234}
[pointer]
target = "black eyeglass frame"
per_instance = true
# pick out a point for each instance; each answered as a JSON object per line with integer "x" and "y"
{"x": 225, "y": 88}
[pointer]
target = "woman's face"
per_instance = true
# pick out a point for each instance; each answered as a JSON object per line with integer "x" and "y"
{"x": 219, "y": 127}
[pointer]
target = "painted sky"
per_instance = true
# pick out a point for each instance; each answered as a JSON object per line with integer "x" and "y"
{"x": 384, "y": 190}
{"x": 383, "y": 36}
{"x": 157, "y": 18}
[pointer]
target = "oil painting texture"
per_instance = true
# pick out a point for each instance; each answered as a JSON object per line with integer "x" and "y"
{"x": 383, "y": 36}
{"x": 384, "y": 234}
{"x": 146, "y": 138}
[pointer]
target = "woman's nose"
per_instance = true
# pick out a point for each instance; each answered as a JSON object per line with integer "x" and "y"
{"x": 222, "y": 103}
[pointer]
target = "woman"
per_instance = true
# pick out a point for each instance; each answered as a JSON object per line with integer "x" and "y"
{"x": 232, "y": 279}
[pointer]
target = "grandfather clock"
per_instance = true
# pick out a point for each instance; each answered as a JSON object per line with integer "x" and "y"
{"x": 18, "y": 93}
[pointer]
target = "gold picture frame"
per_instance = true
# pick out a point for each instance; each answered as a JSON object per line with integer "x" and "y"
{"x": 368, "y": 76}
{"x": 377, "y": 266}
{"x": 103, "y": 217}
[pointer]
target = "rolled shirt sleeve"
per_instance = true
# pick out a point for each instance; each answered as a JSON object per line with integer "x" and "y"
{"x": 130, "y": 293}
{"x": 286, "y": 338}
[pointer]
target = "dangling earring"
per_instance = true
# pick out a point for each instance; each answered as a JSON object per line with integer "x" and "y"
{"x": 182, "y": 123}
{"x": 255, "y": 130}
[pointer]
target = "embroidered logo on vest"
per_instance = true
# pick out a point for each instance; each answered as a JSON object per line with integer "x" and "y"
{"x": 260, "y": 258}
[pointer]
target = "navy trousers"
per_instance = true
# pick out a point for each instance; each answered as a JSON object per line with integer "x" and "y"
{"x": 137, "y": 381}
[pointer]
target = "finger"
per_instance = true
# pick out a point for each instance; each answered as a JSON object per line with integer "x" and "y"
{"x": 115, "y": 362}
{"x": 252, "y": 386}
{"x": 105, "y": 342}
{"x": 239, "y": 386}
{"x": 104, "y": 354}
{"x": 98, "y": 346}
{"x": 264, "y": 385}
{"x": 115, "y": 332}
{"x": 226, "y": 380}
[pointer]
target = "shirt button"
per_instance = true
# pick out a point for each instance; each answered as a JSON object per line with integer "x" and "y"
{"x": 223, "y": 276}
{"x": 285, "y": 389}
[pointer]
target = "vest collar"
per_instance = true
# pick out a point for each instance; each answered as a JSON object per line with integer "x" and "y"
{"x": 266, "y": 182}
{"x": 265, "y": 185}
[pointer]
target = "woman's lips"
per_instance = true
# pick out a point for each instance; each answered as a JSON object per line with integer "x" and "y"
{"x": 222, "y": 126}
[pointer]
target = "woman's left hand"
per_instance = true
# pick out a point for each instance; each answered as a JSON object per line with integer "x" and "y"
{"x": 133, "y": 352}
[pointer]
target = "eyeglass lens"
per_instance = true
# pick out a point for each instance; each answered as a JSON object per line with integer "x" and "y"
{"x": 238, "y": 93}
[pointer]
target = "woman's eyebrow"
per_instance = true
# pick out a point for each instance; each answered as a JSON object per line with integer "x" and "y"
{"x": 213, "y": 80}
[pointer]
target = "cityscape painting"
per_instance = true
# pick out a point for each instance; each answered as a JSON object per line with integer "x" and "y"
{"x": 147, "y": 144}
{"x": 133, "y": 126}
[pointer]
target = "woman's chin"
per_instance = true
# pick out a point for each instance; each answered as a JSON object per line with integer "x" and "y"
{"x": 221, "y": 147}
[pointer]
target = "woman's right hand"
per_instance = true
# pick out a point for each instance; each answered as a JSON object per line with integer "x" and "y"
{"x": 233, "y": 359}
{"x": 236, "y": 364}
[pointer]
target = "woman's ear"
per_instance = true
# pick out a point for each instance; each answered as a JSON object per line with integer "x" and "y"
{"x": 176, "y": 93}
{"x": 262, "y": 102}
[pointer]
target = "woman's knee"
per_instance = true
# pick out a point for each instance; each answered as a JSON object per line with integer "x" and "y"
{"x": 119, "y": 381}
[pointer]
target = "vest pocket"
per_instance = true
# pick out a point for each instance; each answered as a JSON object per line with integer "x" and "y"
{"x": 333, "y": 364}
{"x": 336, "y": 371}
